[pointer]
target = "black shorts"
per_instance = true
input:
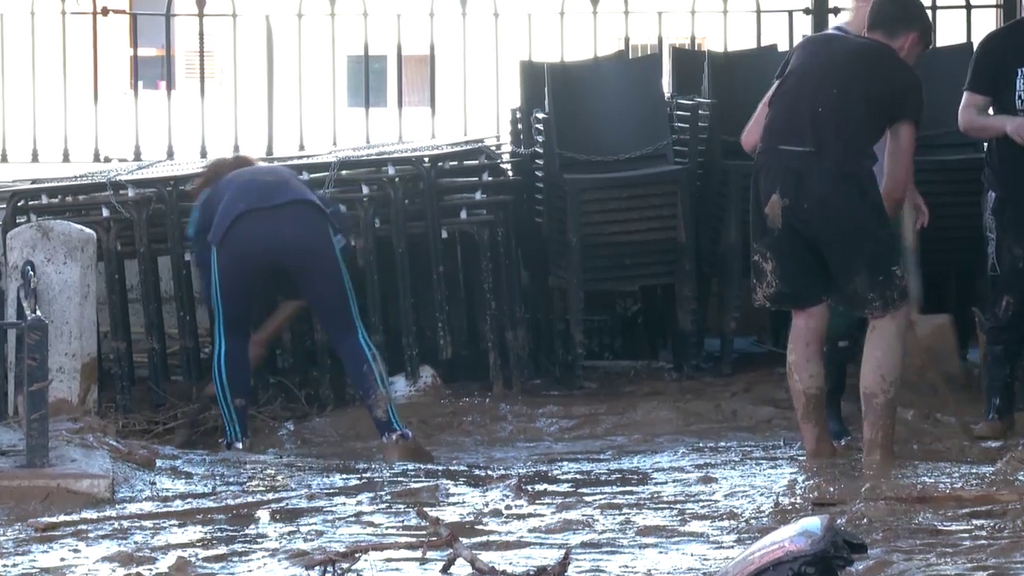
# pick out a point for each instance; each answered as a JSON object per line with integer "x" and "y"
{"x": 820, "y": 233}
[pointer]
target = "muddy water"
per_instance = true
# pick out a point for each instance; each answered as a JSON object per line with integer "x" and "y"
{"x": 652, "y": 478}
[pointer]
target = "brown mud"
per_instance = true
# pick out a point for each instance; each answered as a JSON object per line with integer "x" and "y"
{"x": 640, "y": 475}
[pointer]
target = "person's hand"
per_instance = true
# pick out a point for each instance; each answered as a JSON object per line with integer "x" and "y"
{"x": 1015, "y": 130}
{"x": 257, "y": 351}
{"x": 921, "y": 214}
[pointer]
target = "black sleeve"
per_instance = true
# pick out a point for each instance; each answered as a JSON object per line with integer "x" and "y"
{"x": 784, "y": 66}
{"x": 906, "y": 101}
{"x": 980, "y": 74}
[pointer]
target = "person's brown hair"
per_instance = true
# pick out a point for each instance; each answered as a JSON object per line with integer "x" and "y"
{"x": 218, "y": 169}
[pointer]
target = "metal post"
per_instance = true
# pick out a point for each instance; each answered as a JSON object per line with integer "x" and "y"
{"x": 32, "y": 366}
{"x": 1011, "y": 10}
{"x": 37, "y": 392}
{"x": 819, "y": 15}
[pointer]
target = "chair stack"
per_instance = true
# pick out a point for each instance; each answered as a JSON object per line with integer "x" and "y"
{"x": 394, "y": 197}
{"x": 733, "y": 84}
{"x": 616, "y": 207}
{"x": 948, "y": 169}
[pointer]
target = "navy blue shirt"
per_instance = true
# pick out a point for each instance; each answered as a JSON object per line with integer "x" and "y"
{"x": 241, "y": 191}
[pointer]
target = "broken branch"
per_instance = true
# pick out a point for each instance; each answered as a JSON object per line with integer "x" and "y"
{"x": 330, "y": 559}
{"x": 461, "y": 551}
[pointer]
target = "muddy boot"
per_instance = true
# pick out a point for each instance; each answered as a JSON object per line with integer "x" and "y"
{"x": 239, "y": 447}
{"x": 835, "y": 388}
{"x": 999, "y": 396}
{"x": 403, "y": 447}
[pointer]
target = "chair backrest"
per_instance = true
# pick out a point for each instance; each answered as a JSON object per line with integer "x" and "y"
{"x": 532, "y": 93}
{"x": 942, "y": 71}
{"x": 608, "y": 108}
{"x": 737, "y": 81}
{"x": 531, "y": 81}
{"x": 687, "y": 70}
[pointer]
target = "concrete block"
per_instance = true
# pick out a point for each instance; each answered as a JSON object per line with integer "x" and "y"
{"x": 65, "y": 257}
{"x": 76, "y": 469}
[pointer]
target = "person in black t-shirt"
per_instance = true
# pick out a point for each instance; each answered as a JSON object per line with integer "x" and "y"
{"x": 824, "y": 233}
{"x": 993, "y": 109}
{"x": 845, "y": 333}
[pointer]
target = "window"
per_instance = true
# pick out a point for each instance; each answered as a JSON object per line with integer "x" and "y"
{"x": 155, "y": 70}
{"x": 378, "y": 81}
{"x": 638, "y": 49}
{"x": 415, "y": 80}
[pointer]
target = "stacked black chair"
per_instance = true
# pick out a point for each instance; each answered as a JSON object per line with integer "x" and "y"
{"x": 141, "y": 214}
{"x": 475, "y": 206}
{"x": 737, "y": 81}
{"x": 616, "y": 207}
{"x": 689, "y": 96}
{"x": 948, "y": 168}
{"x": 528, "y": 166}
{"x": 734, "y": 83}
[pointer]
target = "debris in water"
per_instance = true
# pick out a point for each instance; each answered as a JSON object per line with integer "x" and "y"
{"x": 460, "y": 551}
{"x": 427, "y": 383}
{"x": 349, "y": 556}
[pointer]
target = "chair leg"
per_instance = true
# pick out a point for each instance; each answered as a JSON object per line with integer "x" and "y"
{"x": 731, "y": 270}
{"x": 120, "y": 329}
{"x": 512, "y": 308}
{"x": 575, "y": 286}
{"x": 374, "y": 305}
{"x": 684, "y": 354}
{"x": 405, "y": 303}
{"x": 490, "y": 312}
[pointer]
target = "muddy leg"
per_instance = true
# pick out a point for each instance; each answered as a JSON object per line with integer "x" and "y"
{"x": 805, "y": 369}
{"x": 880, "y": 370}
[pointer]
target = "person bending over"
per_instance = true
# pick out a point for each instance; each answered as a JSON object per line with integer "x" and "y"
{"x": 257, "y": 229}
{"x": 824, "y": 234}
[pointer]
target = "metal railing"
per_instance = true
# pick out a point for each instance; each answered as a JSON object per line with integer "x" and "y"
{"x": 441, "y": 56}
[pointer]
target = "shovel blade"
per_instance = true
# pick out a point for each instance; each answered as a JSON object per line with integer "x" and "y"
{"x": 932, "y": 359}
{"x": 933, "y": 351}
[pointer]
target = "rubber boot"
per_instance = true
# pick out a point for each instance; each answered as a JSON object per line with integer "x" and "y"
{"x": 999, "y": 396}
{"x": 836, "y": 360}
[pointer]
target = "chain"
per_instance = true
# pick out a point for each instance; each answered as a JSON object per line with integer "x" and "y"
{"x": 331, "y": 174}
{"x": 115, "y": 174}
{"x": 588, "y": 158}
{"x": 27, "y": 289}
{"x": 667, "y": 142}
{"x": 524, "y": 151}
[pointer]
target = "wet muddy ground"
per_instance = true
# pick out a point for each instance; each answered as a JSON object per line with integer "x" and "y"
{"x": 640, "y": 475}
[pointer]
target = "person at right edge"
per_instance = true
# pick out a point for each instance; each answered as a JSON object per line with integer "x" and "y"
{"x": 824, "y": 234}
{"x": 993, "y": 109}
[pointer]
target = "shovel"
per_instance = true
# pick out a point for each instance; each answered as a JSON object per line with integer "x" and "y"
{"x": 932, "y": 351}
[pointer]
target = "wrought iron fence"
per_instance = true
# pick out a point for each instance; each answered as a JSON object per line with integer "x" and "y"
{"x": 154, "y": 79}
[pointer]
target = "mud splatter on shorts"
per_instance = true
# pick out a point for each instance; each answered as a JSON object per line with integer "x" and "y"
{"x": 820, "y": 233}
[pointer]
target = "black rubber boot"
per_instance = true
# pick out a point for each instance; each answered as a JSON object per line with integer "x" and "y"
{"x": 999, "y": 396}
{"x": 836, "y": 359}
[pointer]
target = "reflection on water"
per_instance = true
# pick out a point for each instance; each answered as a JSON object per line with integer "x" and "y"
{"x": 531, "y": 480}
{"x": 677, "y": 506}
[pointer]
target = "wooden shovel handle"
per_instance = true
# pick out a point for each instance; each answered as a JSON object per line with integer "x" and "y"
{"x": 911, "y": 257}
